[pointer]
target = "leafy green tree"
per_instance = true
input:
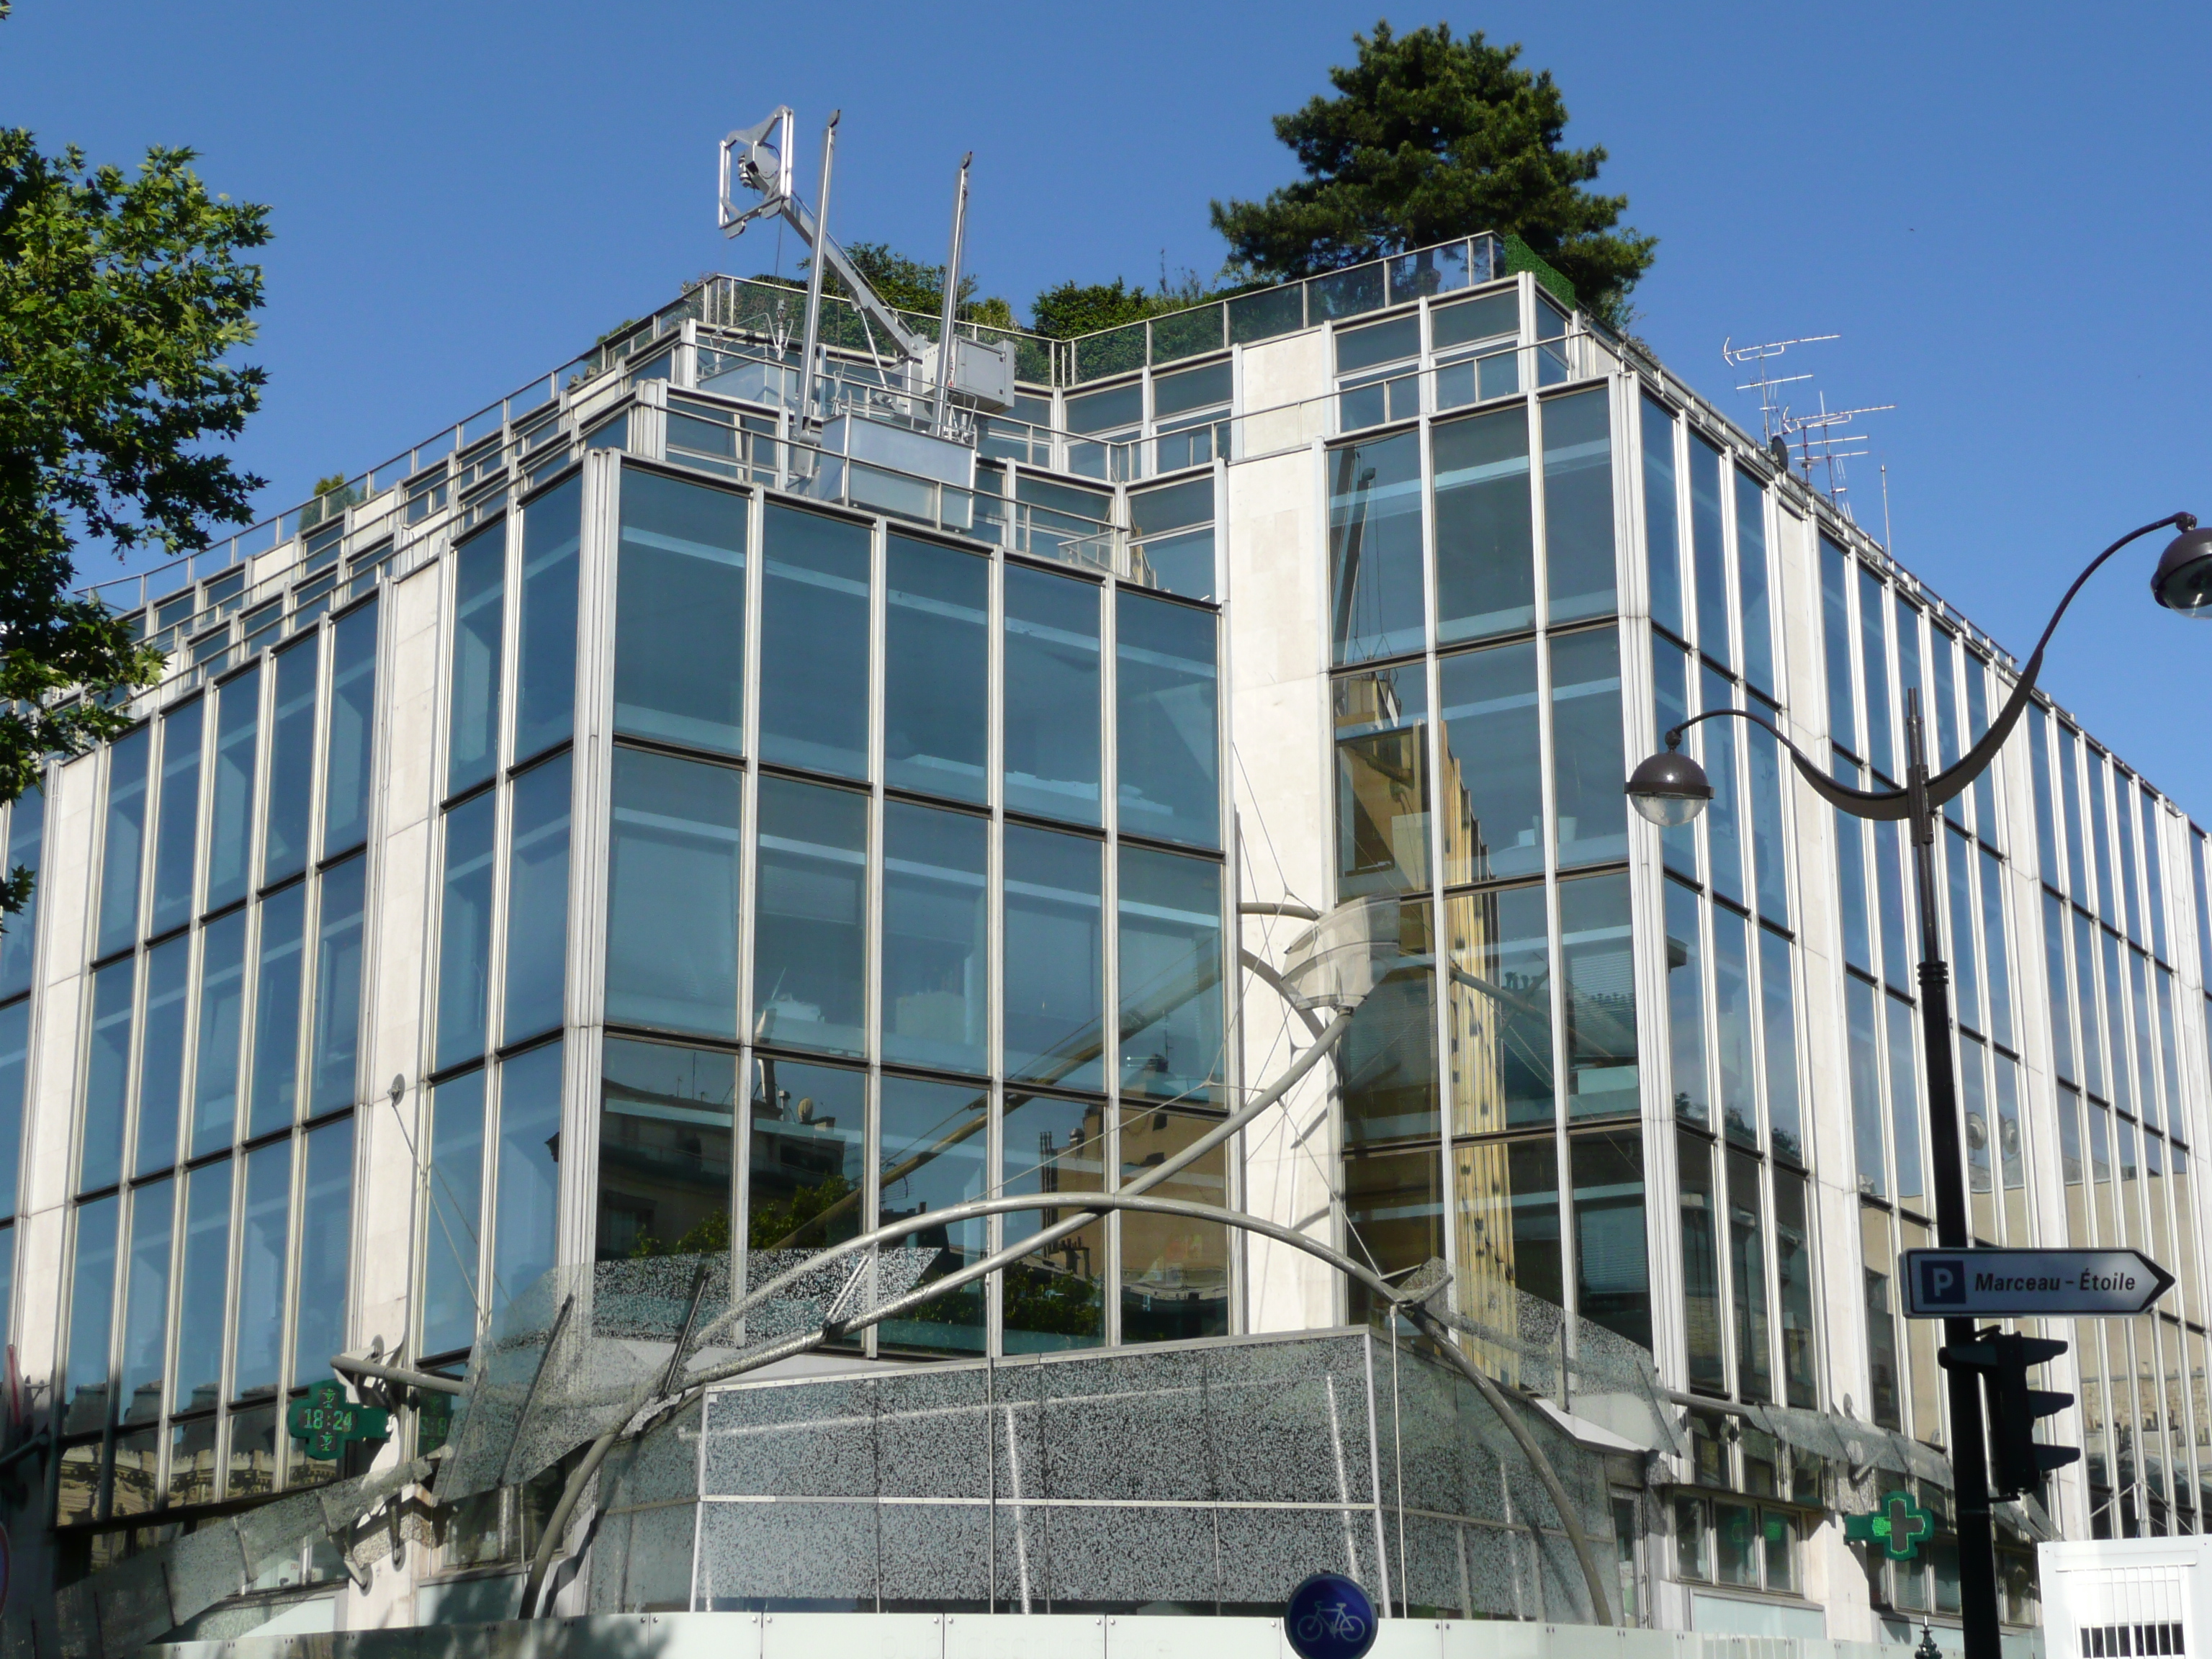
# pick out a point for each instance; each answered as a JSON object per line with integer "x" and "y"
{"x": 1430, "y": 137}
{"x": 122, "y": 301}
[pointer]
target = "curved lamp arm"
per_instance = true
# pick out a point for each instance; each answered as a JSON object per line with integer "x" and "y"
{"x": 1897, "y": 802}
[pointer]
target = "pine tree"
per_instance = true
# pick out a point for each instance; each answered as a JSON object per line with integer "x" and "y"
{"x": 1430, "y": 138}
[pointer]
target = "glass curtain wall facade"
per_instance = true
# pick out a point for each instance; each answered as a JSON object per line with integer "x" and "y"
{"x": 1490, "y": 1082}
{"x": 210, "y": 1238}
{"x": 722, "y": 867}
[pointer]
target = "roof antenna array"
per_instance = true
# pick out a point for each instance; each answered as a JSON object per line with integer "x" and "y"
{"x": 1821, "y": 437}
{"x": 759, "y": 159}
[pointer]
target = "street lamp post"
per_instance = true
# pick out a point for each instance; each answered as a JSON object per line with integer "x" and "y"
{"x": 1670, "y": 789}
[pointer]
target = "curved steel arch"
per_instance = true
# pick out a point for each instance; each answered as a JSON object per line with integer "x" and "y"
{"x": 1414, "y": 1309}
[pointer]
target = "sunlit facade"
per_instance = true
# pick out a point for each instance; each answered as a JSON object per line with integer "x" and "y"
{"x": 633, "y": 825}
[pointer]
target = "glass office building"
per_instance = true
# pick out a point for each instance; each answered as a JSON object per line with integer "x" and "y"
{"x": 635, "y": 823}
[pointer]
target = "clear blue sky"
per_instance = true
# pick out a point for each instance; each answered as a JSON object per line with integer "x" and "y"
{"x": 2004, "y": 211}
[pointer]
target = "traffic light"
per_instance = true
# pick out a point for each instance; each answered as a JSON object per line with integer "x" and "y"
{"x": 2020, "y": 1463}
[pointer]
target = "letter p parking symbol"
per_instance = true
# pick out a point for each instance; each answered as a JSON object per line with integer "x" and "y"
{"x": 1943, "y": 1281}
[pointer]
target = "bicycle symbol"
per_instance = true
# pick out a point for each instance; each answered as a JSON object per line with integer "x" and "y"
{"x": 1328, "y": 1616}
{"x": 1335, "y": 1621}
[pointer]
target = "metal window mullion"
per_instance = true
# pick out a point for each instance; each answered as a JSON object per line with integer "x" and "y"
{"x": 230, "y": 1357}
{"x": 748, "y": 883}
{"x": 1109, "y": 913}
{"x": 1432, "y": 763}
{"x": 871, "y": 920}
{"x": 995, "y": 926}
{"x": 590, "y": 813}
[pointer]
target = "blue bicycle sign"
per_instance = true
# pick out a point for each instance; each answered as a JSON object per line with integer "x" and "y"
{"x": 1329, "y": 1617}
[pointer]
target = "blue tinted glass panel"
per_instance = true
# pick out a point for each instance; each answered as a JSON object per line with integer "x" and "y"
{"x": 2085, "y": 981}
{"x": 1769, "y": 849}
{"x": 262, "y": 1251}
{"x": 337, "y": 1053}
{"x": 1613, "y": 1280}
{"x": 1873, "y": 649}
{"x": 1054, "y": 1301}
{"x": 92, "y": 1309}
{"x": 680, "y": 613}
{"x": 221, "y": 1021}
{"x": 937, "y": 661}
{"x": 1889, "y": 897}
{"x": 1905, "y": 1096}
{"x": 1167, "y": 730}
{"x": 2154, "y": 874}
{"x": 1724, "y": 816}
{"x": 1388, "y": 1056}
{"x": 1996, "y": 948}
{"x": 1494, "y": 757}
{"x": 1966, "y": 960}
{"x": 1670, "y": 703}
{"x": 536, "y": 902}
{"x": 1587, "y": 762}
{"x": 814, "y": 643}
{"x": 1778, "y": 1008}
{"x": 275, "y": 1096}
{"x": 1499, "y": 993}
{"x": 107, "y": 1076}
{"x": 26, "y": 832}
{"x": 230, "y": 818}
{"x": 1708, "y": 552}
{"x": 479, "y": 625}
{"x": 2046, "y": 833}
{"x": 325, "y": 1238}
{"x": 672, "y": 907}
{"x": 2129, "y": 840}
{"x": 1911, "y": 684}
{"x": 1662, "y": 546}
{"x": 15, "y": 1060}
{"x": 2055, "y": 984}
{"x": 454, "y": 1245}
{"x": 667, "y": 1140}
{"x": 1736, "y": 1077}
{"x": 545, "y": 659}
{"x": 810, "y": 936}
{"x": 1485, "y": 560}
{"x": 2100, "y": 839}
{"x": 161, "y": 1054}
{"x": 937, "y": 964}
{"x": 1169, "y": 944}
{"x": 2069, "y": 801}
{"x": 124, "y": 844}
{"x": 529, "y": 1180}
{"x": 1856, "y": 910}
{"x": 204, "y": 1278}
{"x": 176, "y": 831}
{"x": 934, "y": 1152}
{"x": 1053, "y": 959}
{"x": 352, "y": 741}
{"x": 1865, "y": 1047}
{"x": 146, "y": 1304}
{"x": 808, "y": 1140}
{"x": 1578, "y": 578}
{"x": 1381, "y": 781}
{"x": 1597, "y": 960}
{"x": 291, "y": 762}
{"x": 1051, "y": 696}
{"x": 1375, "y": 578}
{"x": 465, "y": 929}
{"x": 1977, "y": 724}
{"x": 1686, "y": 1006}
{"x": 1750, "y": 582}
{"x": 1836, "y": 640}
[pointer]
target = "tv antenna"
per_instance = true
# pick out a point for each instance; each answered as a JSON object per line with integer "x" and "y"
{"x": 1823, "y": 437}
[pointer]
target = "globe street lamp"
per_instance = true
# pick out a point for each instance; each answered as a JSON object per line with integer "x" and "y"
{"x": 1670, "y": 789}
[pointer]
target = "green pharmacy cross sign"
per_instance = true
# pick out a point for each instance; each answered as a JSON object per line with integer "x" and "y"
{"x": 326, "y": 1419}
{"x": 1898, "y": 1525}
